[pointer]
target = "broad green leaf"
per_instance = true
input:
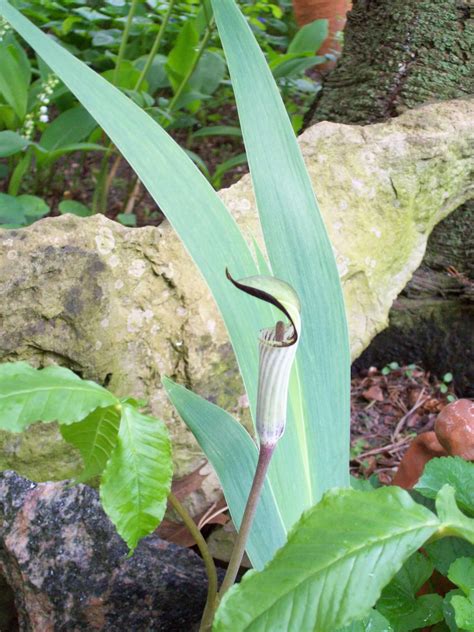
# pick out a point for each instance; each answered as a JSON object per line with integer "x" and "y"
{"x": 461, "y": 573}
{"x": 137, "y": 479}
{"x": 33, "y": 206}
{"x": 11, "y": 143}
{"x": 309, "y": 38}
{"x": 183, "y": 54}
{"x": 70, "y": 127}
{"x": 453, "y": 521}
{"x": 28, "y": 395}
{"x": 374, "y": 622}
{"x": 444, "y": 552}
{"x": 209, "y": 73}
{"x": 463, "y": 612}
{"x": 450, "y": 470}
{"x": 156, "y": 76}
{"x": 330, "y": 572}
{"x": 317, "y": 435}
{"x": 127, "y": 77}
{"x": 15, "y": 78}
{"x": 399, "y": 604}
{"x": 95, "y": 437}
{"x": 233, "y": 455}
{"x": 11, "y": 210}
{"x": 75, "y": 208}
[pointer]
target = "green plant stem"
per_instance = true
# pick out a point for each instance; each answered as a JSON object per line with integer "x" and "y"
{"x": 156, "y": 45}
{"x": 264, "y": 457}
{"x": 107, "y": 180}
{"x": 207, "y": 558}
{"x": 124, "y": 40}
{"x": 192, "y": 68}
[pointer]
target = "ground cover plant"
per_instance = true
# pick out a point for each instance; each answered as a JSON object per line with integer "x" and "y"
{"x": 323, "y": 555}
{"x": 167, "y": 57}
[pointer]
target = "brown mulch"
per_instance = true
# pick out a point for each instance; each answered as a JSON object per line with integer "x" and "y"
{"x": 389, "y": 407}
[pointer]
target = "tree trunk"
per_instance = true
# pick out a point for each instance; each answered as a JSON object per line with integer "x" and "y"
{"x": 399, "y": 54}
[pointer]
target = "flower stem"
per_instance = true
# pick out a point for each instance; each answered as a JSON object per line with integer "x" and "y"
{"x": 156, "y": 45}
{"x": 124, "y": 41}
{"x": 208, "y": 614}
{"x": 187, "y": 77}
{"x": 266, "y": 452}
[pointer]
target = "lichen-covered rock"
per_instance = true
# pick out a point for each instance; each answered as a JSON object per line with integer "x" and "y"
{"x": 124, "y": 306}
{"x": 68, "y": 569}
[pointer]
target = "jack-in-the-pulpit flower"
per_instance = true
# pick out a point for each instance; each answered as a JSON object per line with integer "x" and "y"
{"x": 277, "y": 349}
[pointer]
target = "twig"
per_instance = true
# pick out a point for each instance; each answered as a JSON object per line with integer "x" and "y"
{"x": 419, "y": 402}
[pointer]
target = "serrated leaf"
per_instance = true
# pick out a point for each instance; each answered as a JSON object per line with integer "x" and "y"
{"x": 399, "y": 604}
{"x": 28, "y": 395}
{"x": 336, "y": 561}
{"x": 451, "y": 470}
{"x": 137, "y": 479}
{"x": 95, "y": 437}
{"x": 453, "y": 521}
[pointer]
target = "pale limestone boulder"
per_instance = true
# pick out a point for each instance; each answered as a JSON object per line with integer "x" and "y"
{"x": 125, "y": 306}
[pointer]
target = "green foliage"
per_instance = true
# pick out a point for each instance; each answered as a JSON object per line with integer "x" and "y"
{"x": 461, "y": 573}
{"x": 137, "y": 478}
{"x": 129, "y": 450}
{"x": 95, "y": 437}
{"x": 188, "y": 63}
{"x": 334, "y": 565}
{"x": 399, "y": 604}
{"x": 452, "y": 470}
{"x": 28, "y": 395}
{"x": 213, "y": 240}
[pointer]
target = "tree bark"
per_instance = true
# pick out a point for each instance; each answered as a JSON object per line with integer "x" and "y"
{"x": 399, "y": 54}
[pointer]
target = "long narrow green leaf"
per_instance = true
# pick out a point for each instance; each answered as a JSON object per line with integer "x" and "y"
{"x": 234, "y": 457}
{"x": 137, "y": 479}
{"x": 334, "y": 565}
{"x": 51, "y": 394}
{"x": 301, "y": 254}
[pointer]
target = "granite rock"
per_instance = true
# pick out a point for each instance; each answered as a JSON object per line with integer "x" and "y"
{"x": 68, "y": 569}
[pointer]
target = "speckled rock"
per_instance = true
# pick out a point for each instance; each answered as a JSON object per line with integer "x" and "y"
{"x": 69, "y": 570}
{"x": 124, "y": 306}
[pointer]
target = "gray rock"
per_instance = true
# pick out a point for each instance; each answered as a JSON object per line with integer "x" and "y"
{"x": 69, "y": 570}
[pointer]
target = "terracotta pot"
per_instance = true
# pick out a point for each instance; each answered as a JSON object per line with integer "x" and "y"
{"x": 333, "y": 10}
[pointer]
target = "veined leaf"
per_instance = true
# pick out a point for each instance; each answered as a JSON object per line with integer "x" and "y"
{"x": 453, "y": 521}
{"x": 137, "y": 479}
{"x": 51, "y": 394}
{"x": 399, "y": 604}
{"x": 330, "y": 572}
{"x": 234, "y": 456}
{"x": 374, "y": 622}
{"x": 317, "y": 435}
{"x": 95, "y": 437}
{"x": 452, "y": 470}
{"x": 461, "y": 573}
